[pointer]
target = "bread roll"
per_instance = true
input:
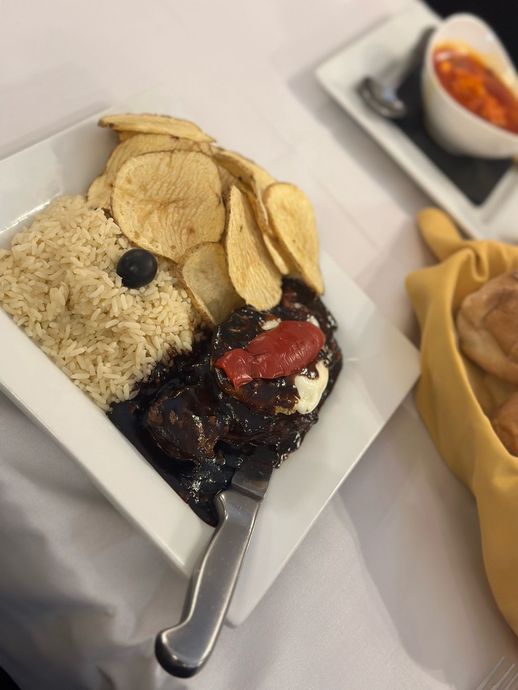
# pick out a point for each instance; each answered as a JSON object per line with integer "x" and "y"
{"x": 505, "y": 423}
{"x": 487, "y": 324}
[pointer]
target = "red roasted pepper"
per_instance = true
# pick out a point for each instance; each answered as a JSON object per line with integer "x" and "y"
{"x": 284, "y": 350}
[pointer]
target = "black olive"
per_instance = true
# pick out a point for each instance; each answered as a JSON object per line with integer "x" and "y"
{"x": 137, "y": 267}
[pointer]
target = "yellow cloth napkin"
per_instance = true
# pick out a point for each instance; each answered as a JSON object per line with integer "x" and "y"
{"x": 454, "y": 395}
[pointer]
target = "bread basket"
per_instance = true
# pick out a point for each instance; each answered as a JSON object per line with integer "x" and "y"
{"x": 454, "y": 396}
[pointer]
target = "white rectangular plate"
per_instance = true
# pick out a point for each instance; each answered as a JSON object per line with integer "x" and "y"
{"x": 380, "y": 367}
{"x": 387, "y": 44}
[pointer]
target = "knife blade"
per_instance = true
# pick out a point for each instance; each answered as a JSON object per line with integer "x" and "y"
{"x": 183, "y": 649}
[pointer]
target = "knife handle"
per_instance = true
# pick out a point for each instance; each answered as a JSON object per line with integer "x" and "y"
{"x": 183, "y": 649}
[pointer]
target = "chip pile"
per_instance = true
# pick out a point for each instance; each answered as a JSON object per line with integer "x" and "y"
{"x": 232, "y": 230}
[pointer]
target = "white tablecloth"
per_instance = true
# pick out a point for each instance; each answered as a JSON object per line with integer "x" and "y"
{"x": 388, "y": 590}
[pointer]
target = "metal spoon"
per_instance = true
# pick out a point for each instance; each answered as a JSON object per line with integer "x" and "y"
{"x": 382, "y": 97}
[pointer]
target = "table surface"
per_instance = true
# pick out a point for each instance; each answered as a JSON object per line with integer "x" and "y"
{"x": 388, "y": 589}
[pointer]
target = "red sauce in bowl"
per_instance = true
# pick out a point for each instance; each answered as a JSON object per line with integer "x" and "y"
{"x": 476, "y": 86}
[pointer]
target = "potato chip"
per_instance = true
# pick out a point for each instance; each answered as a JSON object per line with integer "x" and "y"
{"x": 98, "y": 195}
{"x": 260, "y": 213}
{"x": 205, "y": 274}
{"x": 169, "y": 201}
{"x": 253, "y": 179}
{"x": 276, "y": 253}
{"x": 250, "y": 178}
{"x": 155, "y": 124}
{"x": 291, "y": 216}
{"x": 245, "y": 170}
{"x": 100, "y": 191}
{"x": 227, "y": 181}
{"x": 251, "y": 269}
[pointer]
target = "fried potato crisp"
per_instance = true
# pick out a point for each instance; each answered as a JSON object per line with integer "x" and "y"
{"x": 251, "y": 178}
{"x": 278, "y": 255}
{"x": 174, "y": 193}
{"x": 291, "y": 216}
{"x": 155, "y": 124}
{"x": 100, "y": 191}
{"x": 125, "y": 135}
{"x": 251, "y": 269}
{"x": 205, "y": 274}
{"x": 245, "y": 170}
{"x": 227, "y": 181}
{"x": 169, "y": 202}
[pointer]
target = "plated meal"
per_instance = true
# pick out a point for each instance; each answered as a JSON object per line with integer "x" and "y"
{"x": 182, "y": 295}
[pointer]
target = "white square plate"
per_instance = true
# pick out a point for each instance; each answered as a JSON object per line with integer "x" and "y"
{"x": 388, "y": 44}
{"x": 380, "y": 367}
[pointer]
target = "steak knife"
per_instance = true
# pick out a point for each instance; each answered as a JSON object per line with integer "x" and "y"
{"x": 183, "y": 649}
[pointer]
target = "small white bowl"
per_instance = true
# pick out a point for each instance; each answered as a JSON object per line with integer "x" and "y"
{"x": 454, "y": 127}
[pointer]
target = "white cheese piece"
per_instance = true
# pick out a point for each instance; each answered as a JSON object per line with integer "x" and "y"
{"x": 270, "y": 324}
{"x": 310, "y": 390}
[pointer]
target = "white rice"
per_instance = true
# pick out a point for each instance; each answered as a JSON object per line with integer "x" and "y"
{"x": 58, "y": 282}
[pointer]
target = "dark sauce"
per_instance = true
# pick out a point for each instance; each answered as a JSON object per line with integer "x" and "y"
{"x": 188, "y": 423}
